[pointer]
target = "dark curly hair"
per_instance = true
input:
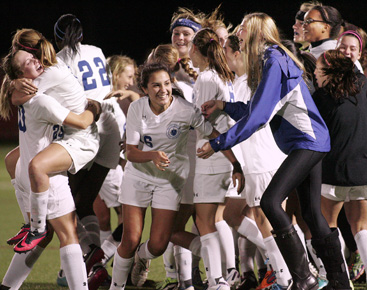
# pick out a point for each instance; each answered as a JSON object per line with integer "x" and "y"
{"x": 342, "y": 79}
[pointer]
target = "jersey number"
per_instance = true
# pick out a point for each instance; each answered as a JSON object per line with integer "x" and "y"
{"x": 58, "y": 132}
{"x": 21, "y": 122}
{"x": 231, "y": 93}
{"x": 148, "y": 141}
{"x": 89, "y": 81}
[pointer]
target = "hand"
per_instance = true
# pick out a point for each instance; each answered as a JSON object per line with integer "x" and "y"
{"x": 115, "y": 94}
{"x": 25, "y": 86}
{"x": 205, "y": 151}
{"x": 160, "y": 160}
{"x": 237, "y": 177}
{"x": 210, "y": 107}
{"x": 95, "y": 108}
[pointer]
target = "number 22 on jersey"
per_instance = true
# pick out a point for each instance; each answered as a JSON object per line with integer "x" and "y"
{"x": 90, "y": 74}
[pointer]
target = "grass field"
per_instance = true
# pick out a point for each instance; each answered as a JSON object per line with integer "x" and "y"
{"x": 44, "y": 273}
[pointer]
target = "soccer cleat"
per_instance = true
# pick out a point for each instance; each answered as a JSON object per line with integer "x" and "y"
{"x": 220, "y": 286}
{"x": 322, "y": 282}
{"x": 61, "y": 279}
{"x": 94, "y": 256}
{"x": 276, "y": 286}
{"x": 233, "y": 278}
{"x": 356, "y": 266}
{"x": 97, "y": 276}
{"x": 249, "y": 281}
{"x": 167, "y": 284}
{"x": 20, "y": 235}
{"x": 139, "y": 273}
{"x": 268, "y": 281}
{"x": 30, "y": 240}
{"x": 313, "y": 269}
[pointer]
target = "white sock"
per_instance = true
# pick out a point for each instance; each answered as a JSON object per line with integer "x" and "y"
{"x": 103, "y": 235}
{"x": 109, "y": 247}
{"x": 249, "y": 229}
{"x": 361, "y": 241}
{"x": 183, "y": 259}
{"x": 247, "y": 253}
{"x": 144, "y": 253}
{"x": 260, "y": 260}
{"x": 72, "y": 263}
{"x": 195, "y": 247}
{"x": 277, "y": 262}
{"x": 121, "y": 269}
{"x": 226, "y": 243}
{"x": 39, "y": 202}
{"x": 345, "y": 250}
{"x": 210, "y": 252}
{"x": 91, "y": 225}
{"x": 33, "y": 256}
{"x": 319, "y": 264}
{"x": 17, "y": 272}
{"x": 19, "y": 196}
{"x": 169, "y": 262}
{"x": 301, "y": 236}
{"x": 84, "y": 239}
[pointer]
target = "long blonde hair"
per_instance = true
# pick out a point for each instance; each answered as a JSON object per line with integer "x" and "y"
{"x": 116, "y": 64}
{"x": 261, "y": 31}
{"x": 5, "y": 106}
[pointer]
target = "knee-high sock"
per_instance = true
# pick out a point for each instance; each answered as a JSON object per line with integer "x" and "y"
{"x": 20, "y": 201}
{"x": 17, "y": 272}
{"x": 277, "y": 262}
{"x": 317, "y": 260}
{"x": 109, "y": 247}
{"x": 144, "y": 253}
{"x": 91, "y": 225}
{"x": 73, "y": 265}
{"x": 210, "y": 253}
{"x": 361, "y": 241}
{"x": 84, "y": 240}
{"x": 169, "y": 262}
{"x": 260, "y": 261}
{"x": 103, "y": 235}
{"x": 249, "y": 229}
{"x": 39, "y": 202}
{"x": 183, "y": 259}
{"x": 226, "y": 243}
{"x": 121, "y": 269}
{"x": 247, "y": 254}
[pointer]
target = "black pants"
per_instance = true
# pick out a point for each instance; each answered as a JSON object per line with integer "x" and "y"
{"x": 301, "y": 170}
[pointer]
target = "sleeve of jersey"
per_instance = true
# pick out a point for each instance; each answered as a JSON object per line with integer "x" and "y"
{"x": 50, "y": 78}
{"x": 199, "y": 123}
{"x": 132, "y": 125}
{"x": 259, "y": 110}
{"x": 207, "y": 90}
{"x": 50, "y": 110}
{"x": 236, "y": 110}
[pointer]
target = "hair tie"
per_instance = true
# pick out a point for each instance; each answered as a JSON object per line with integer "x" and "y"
{"x": 354, "y": 33}
{"x": 27, "y": 47}
{"x": 179, "y": 60}
{"x": 328, "y": 63}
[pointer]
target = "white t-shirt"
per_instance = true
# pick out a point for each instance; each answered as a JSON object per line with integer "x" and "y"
{"x": 40, "y": 123}
{"x": 89, "y": 66}
{"x": 165, "y": 132}
{"x": 260, "y": 152}
{"x": 209, "y": 86}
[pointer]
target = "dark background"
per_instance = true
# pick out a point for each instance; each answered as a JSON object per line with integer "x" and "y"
{"x": 135, "y": 27}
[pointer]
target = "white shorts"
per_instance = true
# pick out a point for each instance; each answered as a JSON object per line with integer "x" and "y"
{"x": 111, "y": 187}
{"x": 82, "y": 150}
{"x": 344, "y": 193}
{"x": 60, "y": 200}
{"x": 255, "y": 185}
{"x": 109, "y": 146}
{"x": 211, "y": 188}
{"x": 142, "y": 194}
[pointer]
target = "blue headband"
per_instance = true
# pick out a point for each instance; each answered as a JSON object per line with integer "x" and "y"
{"x": 60, "y": 34}
{"x": 186, "y": 22}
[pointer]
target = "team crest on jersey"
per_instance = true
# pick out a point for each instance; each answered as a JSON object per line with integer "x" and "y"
{"x": 173, "y": 131}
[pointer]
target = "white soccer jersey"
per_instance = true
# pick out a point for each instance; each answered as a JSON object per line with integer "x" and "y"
{"x": 40, "y": 123}
{"x": 209, "y": 86}
{"x": 260, "y": 152}
{"x": 89, "y": 66}
{"x": 166, "y": 132}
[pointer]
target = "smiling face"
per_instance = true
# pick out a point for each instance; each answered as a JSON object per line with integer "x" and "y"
{"x": 29, "y": 65}
{"x": 241, "y": 34}
{"x": 321, "y": 78}
{"x": 317, "y": 30}
{"x": 298, "y": 32}
{"x": 181, "y": 37}
{"x": 349, "y": 46}
{"x": 159, "y": 90}
{"x": 125, "y": 79}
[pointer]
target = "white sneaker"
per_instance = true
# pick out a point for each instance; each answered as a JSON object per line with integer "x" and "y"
{"x": 233, "y": 278}
{"x": 220, "y": 286}
{"x": 139, "y": 274}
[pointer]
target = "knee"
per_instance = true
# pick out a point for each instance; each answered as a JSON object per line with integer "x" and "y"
{"x": 35, "y": 167}
{"x": 157, "y": 248}
{"x": 130, "y": 241}
{"x": 266, "y": 205}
